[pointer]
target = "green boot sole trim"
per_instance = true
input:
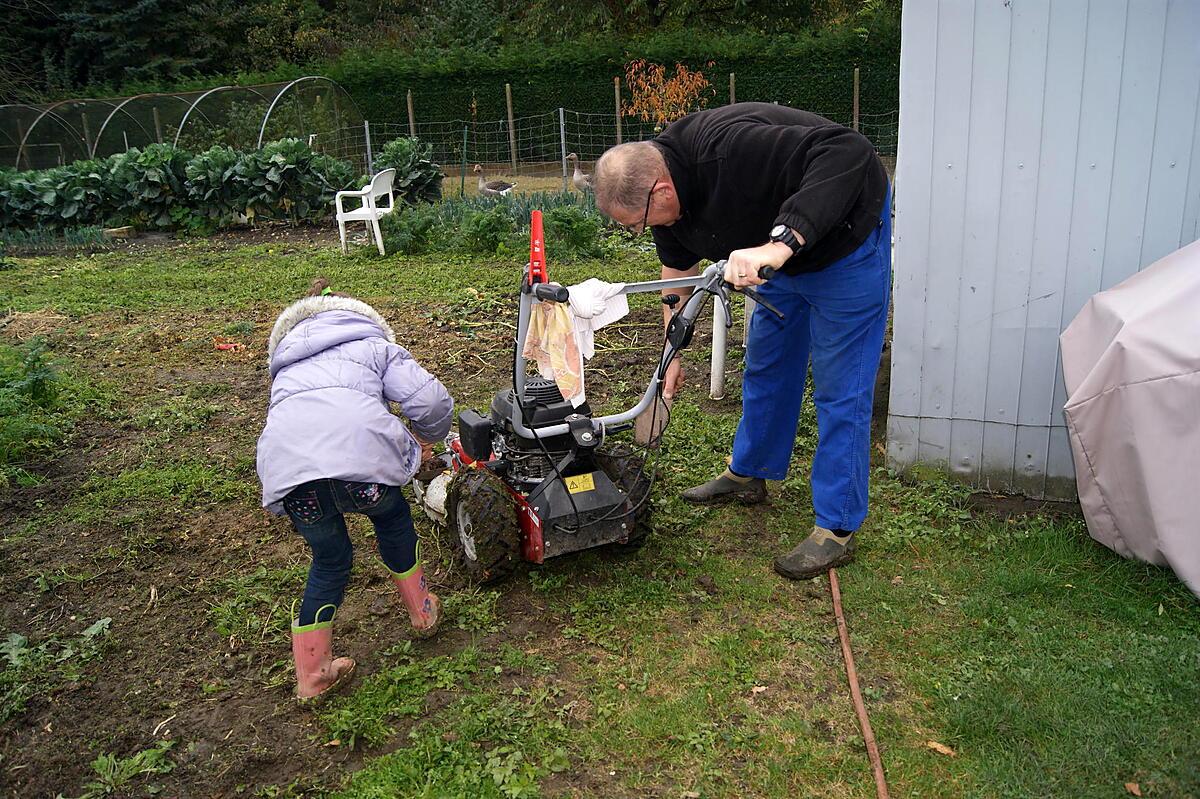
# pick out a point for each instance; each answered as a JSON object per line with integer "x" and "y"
{"x": 410, "y": 572}
{"x": 318, "y": 624}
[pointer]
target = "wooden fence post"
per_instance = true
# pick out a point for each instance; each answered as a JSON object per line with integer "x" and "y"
{"x": 367, "y": 139}
{"x": 562, "y": 137}
{"x": 854, "y": 118}
{"x": 512, "y": 128}
{"x": 412, "y": 121}
{"x": 732, "y": 89}
{"x": 617, "y": 100}
{"x": 462, "y": 183}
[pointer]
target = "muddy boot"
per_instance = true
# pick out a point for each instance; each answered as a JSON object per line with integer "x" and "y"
{"x": 728, "y": 487}
{"x": 424, "y": 607}
{"x": 817, "y": 554}
{"x": 317, "y": 672}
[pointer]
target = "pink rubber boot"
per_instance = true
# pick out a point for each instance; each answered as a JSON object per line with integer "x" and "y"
{"x": 424, "y": 608}
{"x": 317, "y": 671}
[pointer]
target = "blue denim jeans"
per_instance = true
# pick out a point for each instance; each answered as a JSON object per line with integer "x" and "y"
{"x": 836, "y": 317}
{"x": 317, "y": 509}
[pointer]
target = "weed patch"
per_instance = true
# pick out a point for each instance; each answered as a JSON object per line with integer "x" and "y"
{"x": 32, "y": 670}
{"x": 47, "y": 581}
{"x": 171, "y": 486}
{"x": 518, "y": 660}
{"x": 487, "y": 746}
{"x": 175, "y": 415}
{"x": 254, "y": 607}
{"x": 366, "y": 716}
{"x": 629, "y": 599}
{"x": 114, "y": 775}
{"x": 242, "y": 328}
{"x": 474, "y": 610}
{"x": 38, "y": 408}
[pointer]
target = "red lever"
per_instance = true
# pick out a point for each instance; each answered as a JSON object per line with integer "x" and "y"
{"x": 537, "y": 251}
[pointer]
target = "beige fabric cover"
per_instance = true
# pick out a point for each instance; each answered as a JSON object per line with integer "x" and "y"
{"x": 1131, "y": 361}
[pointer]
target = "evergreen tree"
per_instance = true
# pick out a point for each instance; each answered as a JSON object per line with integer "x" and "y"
{"x": 30, "y": 41}
{"x": 118, "y": 41}
{"x": 50, "y": 49}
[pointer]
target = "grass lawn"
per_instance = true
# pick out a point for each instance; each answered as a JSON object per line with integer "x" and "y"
{"x": 145, "y": 595}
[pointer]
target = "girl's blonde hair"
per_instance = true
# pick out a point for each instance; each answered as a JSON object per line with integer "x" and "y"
{"x": 320, "y": 288}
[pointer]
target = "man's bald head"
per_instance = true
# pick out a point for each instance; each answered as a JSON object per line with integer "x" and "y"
{"x": 624, "y": 175}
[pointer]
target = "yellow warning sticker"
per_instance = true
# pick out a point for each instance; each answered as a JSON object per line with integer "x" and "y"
{"x": 580, "y": 483}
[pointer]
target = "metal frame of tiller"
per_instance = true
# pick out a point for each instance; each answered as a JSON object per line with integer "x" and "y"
{"x": 589, "y": 431}
{"x": 536, "y": 288}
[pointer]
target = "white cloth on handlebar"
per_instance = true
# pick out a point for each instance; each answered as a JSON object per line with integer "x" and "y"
{"x": 552, "y": 341}
{"x": 595, "y": 304}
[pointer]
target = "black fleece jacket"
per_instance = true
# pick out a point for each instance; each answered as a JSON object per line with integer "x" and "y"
{"x": 741, "y": 169}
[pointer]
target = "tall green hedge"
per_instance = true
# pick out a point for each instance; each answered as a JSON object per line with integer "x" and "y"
{"x": 814, "y": 72}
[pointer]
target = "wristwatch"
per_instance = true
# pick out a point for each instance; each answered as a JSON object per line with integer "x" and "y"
{"x": 784, "y": 233}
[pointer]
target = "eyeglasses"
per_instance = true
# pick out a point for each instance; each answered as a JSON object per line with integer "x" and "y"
{"x": 633, "y": 232}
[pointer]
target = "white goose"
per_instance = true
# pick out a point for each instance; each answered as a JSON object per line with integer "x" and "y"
{"x": 582, "y": 181}
{"x": 492, "y": 188}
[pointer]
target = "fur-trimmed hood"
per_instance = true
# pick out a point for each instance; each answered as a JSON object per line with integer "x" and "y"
{"x": 308, "y": 307}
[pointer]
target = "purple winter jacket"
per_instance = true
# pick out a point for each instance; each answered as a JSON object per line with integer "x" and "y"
{"x": 334, "y": 367}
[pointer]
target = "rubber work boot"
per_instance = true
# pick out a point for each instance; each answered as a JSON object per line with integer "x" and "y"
{"x": 317, "y": 671}
{"x": 728, "y": 487}
{"x": 424, "y": 607}
{"x": 817, "y": 554}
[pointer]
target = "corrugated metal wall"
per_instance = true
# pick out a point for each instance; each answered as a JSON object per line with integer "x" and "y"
{"x": 1048, "y": 149}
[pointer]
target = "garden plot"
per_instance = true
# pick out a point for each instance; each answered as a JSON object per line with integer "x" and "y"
{"x": 145, "y": 596}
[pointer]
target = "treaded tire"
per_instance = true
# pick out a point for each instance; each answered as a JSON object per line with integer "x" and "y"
{"x": 482, "y": 527}
{"x": 628, "y": 471}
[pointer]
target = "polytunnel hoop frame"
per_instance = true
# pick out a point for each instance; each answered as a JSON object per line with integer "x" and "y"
{"x": 80, "y": 140}
{"x": 198, "y": 100}
{"x": 122, "y": 104}
{"x": 267, "y": 116}
{"x": 50, "y": 111}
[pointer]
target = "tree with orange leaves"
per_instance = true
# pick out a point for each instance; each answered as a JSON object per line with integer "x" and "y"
{"x": 661, "y": 99}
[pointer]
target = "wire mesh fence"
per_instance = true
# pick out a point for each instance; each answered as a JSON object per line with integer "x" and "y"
{"x": 537, "y": 145}
{"x": 324, "y": 114}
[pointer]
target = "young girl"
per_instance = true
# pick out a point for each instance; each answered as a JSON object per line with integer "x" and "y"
{"x": 331, "y": 447}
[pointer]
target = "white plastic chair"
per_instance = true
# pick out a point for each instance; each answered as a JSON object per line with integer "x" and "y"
{"x": 371, "y": 211}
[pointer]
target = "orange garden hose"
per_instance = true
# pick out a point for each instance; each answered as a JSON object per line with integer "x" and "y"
{"x": 881, "y": 788}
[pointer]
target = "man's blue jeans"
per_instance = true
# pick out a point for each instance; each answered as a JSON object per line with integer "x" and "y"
{"x": 318, "y": 509}
{"x": 836, "y": 316}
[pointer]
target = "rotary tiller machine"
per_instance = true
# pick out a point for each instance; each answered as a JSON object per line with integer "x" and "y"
{"x": 535, "y": 477}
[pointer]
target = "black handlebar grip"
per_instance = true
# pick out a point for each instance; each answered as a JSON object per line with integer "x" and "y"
{"x": 766, "y": 273}
{"x": 544, "y": 291}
